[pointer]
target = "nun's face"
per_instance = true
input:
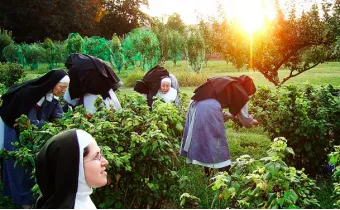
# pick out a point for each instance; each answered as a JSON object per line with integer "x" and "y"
{"x": 94, "y": 167}
{"x": 165, "y": 87}
{"x": 60, "y": 88}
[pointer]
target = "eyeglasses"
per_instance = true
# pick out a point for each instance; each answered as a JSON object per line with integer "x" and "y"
{"x": 98, "y": 158}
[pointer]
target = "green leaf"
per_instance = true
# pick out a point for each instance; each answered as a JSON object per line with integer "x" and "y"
{"x": 308, "y": 147}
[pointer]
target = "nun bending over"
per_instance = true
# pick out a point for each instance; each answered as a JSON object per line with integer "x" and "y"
{"x": 159, "y": 82}
{"x": 204, "y": 141}
{"x": 68, "y": 166}
{"x": 37, "y": 99}
{"x": 91, "y": 76}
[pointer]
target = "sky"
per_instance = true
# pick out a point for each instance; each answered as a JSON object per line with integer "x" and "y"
{"x": 190, "y": 9}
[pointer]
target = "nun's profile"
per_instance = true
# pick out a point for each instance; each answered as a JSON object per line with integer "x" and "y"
{"x": 67, "y": 168}
{"x": 91, "y": 76}
{"x": 38, "y": 99}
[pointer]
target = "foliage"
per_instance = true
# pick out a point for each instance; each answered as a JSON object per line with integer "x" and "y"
{"x": 74, "y": 43}
{"x": 35, "y": 55}
{"x": 207, "y": 33}
{"x": 162, "y": 33}
{"x": 191, "y": 79}
{"x": 11, "y": 73}
{"x": 307, "y": 116}
{"x": 188, "y": 201}
{"x": 298, "y": 43}
{"x": 176, "y": 46}
{"x": 5, "y": 40}
{"x": 121, "y": 17}
{"x": 48, "y": 45}
{"x": 266, "y": 183}
{"x": 139, "y": 145}
{"x": 196, "y": 50}
{"x": 143, "y": 46}
{"x": 33, "y": 21}
{"x": 334, "y": 159}
{"x": 175, "y": 23}
{"x": 117, "y": 59}
{"x": 13, "y": 54}
{"x": 98, "y": 47}
{"x": 132, "y": 78}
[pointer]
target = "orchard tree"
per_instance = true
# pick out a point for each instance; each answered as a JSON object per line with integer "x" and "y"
{"x": 143, "y": 46}
{"x": 176, "y": 23}
{"x": 162, "y": 33}
{"x": 196, "y": 50}
{"x": 117, "y": 59}
{"x": 74, "y": 43}
{"x": 98, "y": 47}
{"x": 207, "y": 32}
{"x": 298, "y": 43}
{"x": 176, "y": 46}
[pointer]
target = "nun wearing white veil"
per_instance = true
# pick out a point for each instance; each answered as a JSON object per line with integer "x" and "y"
{"x": 75, "y": 153}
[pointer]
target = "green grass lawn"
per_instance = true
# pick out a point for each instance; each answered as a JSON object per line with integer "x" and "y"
{"x": 254, "y": 142}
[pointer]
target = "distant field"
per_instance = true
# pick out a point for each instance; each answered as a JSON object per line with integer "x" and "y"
{"x": 328, "y": 73}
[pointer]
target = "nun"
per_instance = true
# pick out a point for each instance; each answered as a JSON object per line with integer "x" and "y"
{"x": 68, "y": 166}
{"x": 91, "y": 76}
{"x": 166, "y": 92}
{"x": 38, "y": 99}
{"x": 158, "y": 81}
{"x": 204, "y": 141}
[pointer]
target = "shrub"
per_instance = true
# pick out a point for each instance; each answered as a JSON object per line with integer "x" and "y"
{"x": 196, "y": 50}
{"x": 307, "y": 116}
{"x": 191, "y": 79}
{"x": 98, "y": 47}
{"x": 334, "y": 159}
{"x": 117, "y": 53}
{"x": 266, "y": 183}
{"x": 11, "y": 73}
{"x": 13, "y": 54}
{"x": 34, "y": 55}
{"x": 143, "y": 46}
{"x": 140, "y": 145}
{"x": 131, "y": 79}
{"x": 5, "y": 40}
{"x": 74, "y": 43}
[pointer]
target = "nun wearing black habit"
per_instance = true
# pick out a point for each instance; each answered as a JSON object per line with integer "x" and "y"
{"x": 37, "y": 99}
{"x": 91, "y": 76}
{"x": 204, "y": 141}
{"x": 152, "y": 82}
{"x": 68, "y": 166}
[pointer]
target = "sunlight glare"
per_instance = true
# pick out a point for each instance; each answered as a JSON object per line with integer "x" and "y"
{"x": 250, "y": 14}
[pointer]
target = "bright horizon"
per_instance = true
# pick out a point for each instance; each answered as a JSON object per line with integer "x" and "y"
{"x": 241, "y": 9}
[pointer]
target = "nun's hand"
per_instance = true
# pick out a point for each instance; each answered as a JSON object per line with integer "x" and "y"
{"x": 255, "y": 122}
{"x": 227, "y": 116}
{"x": 15, "y": 124}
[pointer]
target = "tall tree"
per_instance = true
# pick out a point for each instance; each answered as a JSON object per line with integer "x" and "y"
{"x": 122, "y": 16}
{"x": 176, "y": 23}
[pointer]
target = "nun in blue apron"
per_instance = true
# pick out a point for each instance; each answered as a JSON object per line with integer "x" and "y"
{"x": 205, "y": 141}
{"x": 37, "y": 99}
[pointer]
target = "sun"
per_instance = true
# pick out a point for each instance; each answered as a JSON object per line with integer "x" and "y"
{"x": 250, "y": 14}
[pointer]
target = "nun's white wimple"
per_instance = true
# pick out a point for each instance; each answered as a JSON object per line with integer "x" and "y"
{"x": 166, "y": 79}
{"x": 66, "y": 79}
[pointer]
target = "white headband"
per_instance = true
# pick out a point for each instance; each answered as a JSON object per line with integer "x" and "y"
{"x": 166, "y": 79}
{"x": 66, "y": 79}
